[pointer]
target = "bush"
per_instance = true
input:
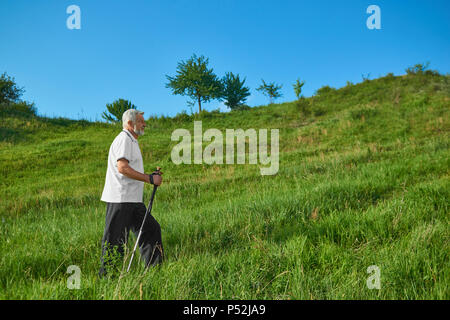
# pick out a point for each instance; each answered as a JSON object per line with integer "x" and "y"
{"x": 21, "y": 108}
{"x": 432, "y": 73}
{"x": 9, "y": 91}
{"x": 421, "y": 69}
{"x": 24, "y": 107}
{"x": 10, "y": 102}
{"x": 416, "y": 69}
{"x": 325, "y": 90}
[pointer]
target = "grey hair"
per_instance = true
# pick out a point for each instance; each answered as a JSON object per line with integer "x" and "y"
{"x": 128, "y": 115}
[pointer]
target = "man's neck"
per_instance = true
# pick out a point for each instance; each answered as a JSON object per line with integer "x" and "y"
{"x": 132, "y": 132}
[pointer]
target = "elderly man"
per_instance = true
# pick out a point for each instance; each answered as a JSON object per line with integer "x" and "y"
{"x": 123, "y": 193}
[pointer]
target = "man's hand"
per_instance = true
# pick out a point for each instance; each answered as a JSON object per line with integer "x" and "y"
{"x": 156, "y": 177}
{"x": 157, "y": 180}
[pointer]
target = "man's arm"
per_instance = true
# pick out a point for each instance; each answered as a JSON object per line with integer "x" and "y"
{"x": 125, "y": 169}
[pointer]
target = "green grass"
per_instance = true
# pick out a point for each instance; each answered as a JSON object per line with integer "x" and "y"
{"x": 363, "y": 180}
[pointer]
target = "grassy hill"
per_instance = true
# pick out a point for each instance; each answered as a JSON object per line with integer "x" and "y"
{"x": 363, "y": 180}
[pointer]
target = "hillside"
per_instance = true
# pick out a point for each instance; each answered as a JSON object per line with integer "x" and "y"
{"x": 363, "y": 180}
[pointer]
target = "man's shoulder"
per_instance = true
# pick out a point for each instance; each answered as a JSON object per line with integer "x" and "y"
{"x": 122, "y": 136}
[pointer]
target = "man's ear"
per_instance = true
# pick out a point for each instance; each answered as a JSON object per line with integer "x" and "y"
{"x": 130, "y": 123}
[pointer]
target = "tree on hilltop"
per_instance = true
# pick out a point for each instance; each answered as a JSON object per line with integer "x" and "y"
{"x": 116, "y": 109}
{"x": 9, "y": 91}
{"x": 195, "y": 80}
{"x": 234, "y": 93}
{"x": 271, "y": 90}
{"x": 298, "y": 87}
{"x": 10, "y": 101}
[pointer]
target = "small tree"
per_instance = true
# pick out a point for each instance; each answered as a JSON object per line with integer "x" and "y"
{"x": 10, "y": 101}
{"x": 418, "y": 68}
{"x": 9, "y": 92}
{"x": 271, "y": 90}
{"x": 298, "y": 87}
{"x": 116, "y": 110}
{"x": 195, "y": 80}
{"x": 234, "y": 93}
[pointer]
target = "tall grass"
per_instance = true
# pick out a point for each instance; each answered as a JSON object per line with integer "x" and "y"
{"x": 363, "y": 181}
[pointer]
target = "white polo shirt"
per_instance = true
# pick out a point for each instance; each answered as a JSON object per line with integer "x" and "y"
{"x": 118, "y": 187}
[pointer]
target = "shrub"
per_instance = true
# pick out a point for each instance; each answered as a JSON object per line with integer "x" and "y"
{"x": 24, "y": 107}
{"x": 9, "y": 92}
{"x": 10, "y": 102}
{"x": 432, "y": 73}
{"x": 416, "y": 69}
{"x": 21, "y": 108}
{"x": 325, "y": 90}
{"x": 421, "y": 69}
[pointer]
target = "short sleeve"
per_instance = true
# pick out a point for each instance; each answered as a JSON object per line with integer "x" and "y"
{"x": 122, "y": 149}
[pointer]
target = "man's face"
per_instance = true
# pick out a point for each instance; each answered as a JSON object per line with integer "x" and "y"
{"x": 139, "y": 126}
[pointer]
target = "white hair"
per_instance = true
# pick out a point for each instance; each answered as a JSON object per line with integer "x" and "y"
{"x": 128, "y": 115}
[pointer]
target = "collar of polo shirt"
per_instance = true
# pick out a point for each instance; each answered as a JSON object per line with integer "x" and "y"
{"x": 130, "y": 135}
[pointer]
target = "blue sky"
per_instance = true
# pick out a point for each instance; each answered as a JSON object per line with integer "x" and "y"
{"x": 125, "y": 49}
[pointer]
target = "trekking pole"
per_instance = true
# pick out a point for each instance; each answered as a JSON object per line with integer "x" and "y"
{"x": 149, "y": 210}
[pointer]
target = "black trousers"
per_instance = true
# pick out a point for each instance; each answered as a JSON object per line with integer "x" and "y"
{"x": 120, "y": 219}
